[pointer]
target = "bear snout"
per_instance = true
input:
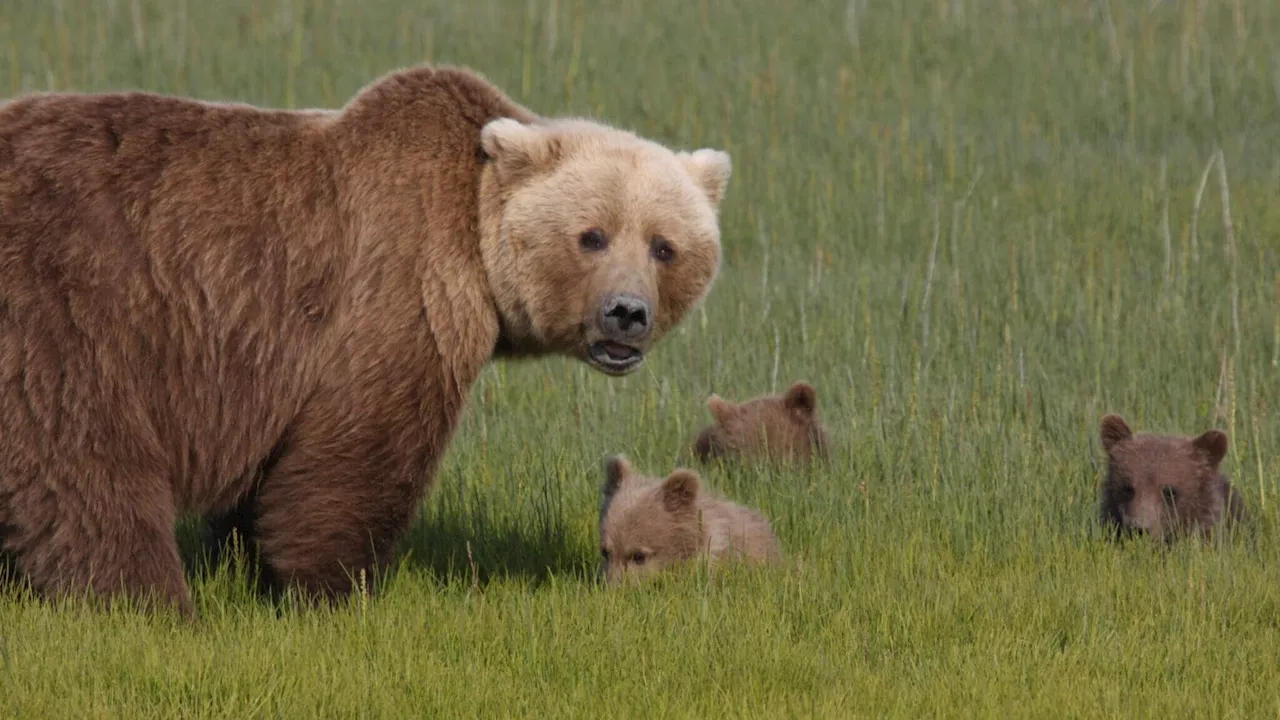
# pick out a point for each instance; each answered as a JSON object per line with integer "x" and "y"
{"x": 624, "y": 327}
{"x": 625, "y": 317}
{"x": 1135, "y": 522}
{"x": 1135, "y": 528}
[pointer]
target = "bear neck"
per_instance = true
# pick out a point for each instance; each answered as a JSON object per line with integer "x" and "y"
{"x": 412, "y": 165}
{"x": 515, "y": 339}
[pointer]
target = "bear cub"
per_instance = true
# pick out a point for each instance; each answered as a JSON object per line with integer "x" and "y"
{"x": 1165, "y": 485}
{"x": 783, "y": 427}
{"x": 647, "y": 524}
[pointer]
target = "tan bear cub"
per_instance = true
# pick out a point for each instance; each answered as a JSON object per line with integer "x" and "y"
{"x": 647, "y": 524}
{"x": 783, "y": 427}
{"x": 1165, "y": 485}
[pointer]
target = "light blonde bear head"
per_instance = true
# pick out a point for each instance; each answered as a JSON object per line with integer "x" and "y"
{"x": 596, "y": 241}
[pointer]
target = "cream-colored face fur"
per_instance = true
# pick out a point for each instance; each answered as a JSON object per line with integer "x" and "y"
{"x": 596, "y": 241}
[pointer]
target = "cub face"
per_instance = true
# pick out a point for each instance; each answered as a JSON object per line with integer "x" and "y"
{"x": 646, "y": 524}
{"x": 784, "y": 427}
{"x": 1161, "y": 485}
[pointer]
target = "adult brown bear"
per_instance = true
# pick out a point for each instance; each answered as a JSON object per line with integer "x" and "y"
{"x": 274, "y": 317}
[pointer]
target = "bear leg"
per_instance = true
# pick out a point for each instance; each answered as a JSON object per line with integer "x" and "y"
{"x": 319, "y": 542}
{"x": 334, "y": 507}
{"x": 107, "y": 546}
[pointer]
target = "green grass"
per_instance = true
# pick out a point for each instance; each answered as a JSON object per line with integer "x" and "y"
{"x": 968, "y": 222}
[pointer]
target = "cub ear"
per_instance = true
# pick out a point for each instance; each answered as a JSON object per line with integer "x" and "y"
{"x": 720, "y": 409}
{"x": 679, "y": 490}
{"x": 801, "y": 398}
{"x": 616, "y": 470}
{"x": 1213, "y": 444}
{"x": 710, "y": 169}
{"x": 1113, "y": 431}
{"x": 519, "y": 150}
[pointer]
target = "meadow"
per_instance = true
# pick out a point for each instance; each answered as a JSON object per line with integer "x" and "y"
{"x": 975, "y": 226}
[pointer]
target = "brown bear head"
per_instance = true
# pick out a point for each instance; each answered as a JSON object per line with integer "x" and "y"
{"x": 784, "y": 427}
{"x": 1161, "y": 485}
{"x": 646, "y": 524}
{"x": 596, "y": 241}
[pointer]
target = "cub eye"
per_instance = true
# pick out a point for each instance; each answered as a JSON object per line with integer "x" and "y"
{"x": 661, "y": 250}
{"x": 638, "y": 558}
{"x": 604, "y": 553}
{"x": 593, "y": 240}
{"x": 1125, "y": 493}
{"x": 1169, "y": 492}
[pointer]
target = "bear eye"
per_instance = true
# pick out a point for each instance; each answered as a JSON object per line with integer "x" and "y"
{"x": 604, "y": 552}
{"x": 1126, "y": 493}
{"x": 661, "y": 250}
{"x": 638, "y": 558}
{"x": 1169, "y": 492}
{"x": 593, "y": 240}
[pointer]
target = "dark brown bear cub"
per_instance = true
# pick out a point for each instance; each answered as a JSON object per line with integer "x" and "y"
{"x": 1165, "y": 485}
{"x": 778, "y": 427}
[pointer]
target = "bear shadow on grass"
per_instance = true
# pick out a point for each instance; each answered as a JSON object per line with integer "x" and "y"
{"x": 470, "y": 547}
{"x": 475, "y": 548}
{"x": 474, "y": 535}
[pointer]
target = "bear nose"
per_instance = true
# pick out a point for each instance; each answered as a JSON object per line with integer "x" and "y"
{"x": 1138, "y": 525}
{"x": 625, "y": 316}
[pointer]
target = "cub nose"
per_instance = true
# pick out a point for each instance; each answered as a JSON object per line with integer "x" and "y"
{"x": 625, "y": 317}
{"x": 1137, "y": 525}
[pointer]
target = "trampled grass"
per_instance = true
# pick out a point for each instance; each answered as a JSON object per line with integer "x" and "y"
{"x": 974, "y": 225}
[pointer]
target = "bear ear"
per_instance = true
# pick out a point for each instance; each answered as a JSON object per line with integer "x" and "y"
{"x": 679, "y": 490}
{"x": 1213, "y": 444}
{"x": 720, "y": 409}
{"x": 519, "y": 150}
{"x": 801, "y": 398}
{"x": 616, "y": 470}
{"x": 1114, "y": 430}
{"x": 711, "y": 170}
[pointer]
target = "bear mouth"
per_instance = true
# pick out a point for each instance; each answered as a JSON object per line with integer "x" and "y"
{"x": 614, "y": 358}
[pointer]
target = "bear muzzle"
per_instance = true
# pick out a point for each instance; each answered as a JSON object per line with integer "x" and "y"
{"x": 624, "y": 325}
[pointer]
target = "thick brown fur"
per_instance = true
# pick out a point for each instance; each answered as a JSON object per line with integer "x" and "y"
{"x": 1165, "y": 485}
{"x": 647, "y": 524}
{"x": 783, "y": 427}
{"x": 274, "y": 318}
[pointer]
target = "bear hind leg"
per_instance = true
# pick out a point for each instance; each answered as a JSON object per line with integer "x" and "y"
{"x": 323, "y": 548}
{"x": 329, "y": 521}
{"x": 112, "y": 549}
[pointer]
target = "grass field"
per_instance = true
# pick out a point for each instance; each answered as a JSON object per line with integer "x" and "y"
{"x": 974, "y": 225}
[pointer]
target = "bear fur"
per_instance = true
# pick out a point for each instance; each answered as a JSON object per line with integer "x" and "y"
{"x": 273, "y": 318}
{"x": 782, "y": 427}
{"x": 647, "y": 524}
{"x": 1165, "y": 485}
